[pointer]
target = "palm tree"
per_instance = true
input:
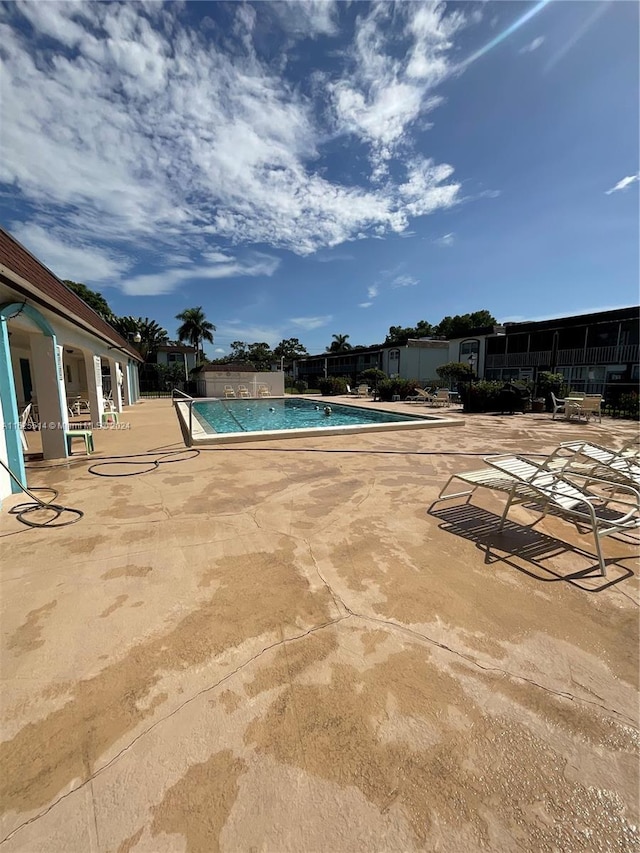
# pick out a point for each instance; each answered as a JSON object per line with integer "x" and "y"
{"x": 195, "y": 328}
{"x": 339, "y": 344}
{"x": 152, "y": 335}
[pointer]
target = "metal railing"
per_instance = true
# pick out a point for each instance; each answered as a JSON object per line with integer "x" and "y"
{"x": 626, "y": 354}
{"x": 179, "y": 396}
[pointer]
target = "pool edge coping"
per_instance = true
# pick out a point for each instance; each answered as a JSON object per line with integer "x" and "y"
{"x": 200, "y": 436}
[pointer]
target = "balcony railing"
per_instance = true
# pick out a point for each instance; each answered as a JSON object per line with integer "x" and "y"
{"x": 519, "y": 359}
{"x": 599, "y": 355}
{"x": 627, "y": 354}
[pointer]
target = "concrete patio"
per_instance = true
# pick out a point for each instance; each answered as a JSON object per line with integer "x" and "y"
{"x": 283, "y": 646}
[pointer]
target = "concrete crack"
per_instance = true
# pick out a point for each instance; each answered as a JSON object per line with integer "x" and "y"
{"x": 487, "y": 668}
{"x": 239, "y": 668}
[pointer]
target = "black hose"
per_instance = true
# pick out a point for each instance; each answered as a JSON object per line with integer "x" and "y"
{"x": 152, "y": 464}
{"x": 24, "y": 509}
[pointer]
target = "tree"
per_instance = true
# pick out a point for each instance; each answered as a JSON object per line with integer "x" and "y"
{"x": 152, "y": 335}
{"x": 372, "y": 376}
{"x": 289, "y": 349}
{"x": 195, "y": 328}
{"x": 400, "y": 335}
{"x": 462, "y": 324}
{"x": 455, "y": 371}
{"x": 239, "y": 352}
{"x": 339, "y": 344}
{"x": 260, "y": 355}
{"x": 93, "y": 299}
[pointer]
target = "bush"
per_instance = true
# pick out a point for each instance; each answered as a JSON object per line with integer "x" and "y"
{"x": 455, "y": 371}
{"x": 489, "y": 396}
{"x": 389, "y": 388}
{"x": 332, "y": 386}
{"x": 480, "y": 396}
{"x": 301, "y": 386}
{"x": 547, "y": 383}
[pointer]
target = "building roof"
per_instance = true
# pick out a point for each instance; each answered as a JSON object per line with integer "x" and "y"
{"x": 53, "y": 294}
{"x": 613, "y": 316}
{"x": 175, "y": 348}
{"x": 230, "y": 367}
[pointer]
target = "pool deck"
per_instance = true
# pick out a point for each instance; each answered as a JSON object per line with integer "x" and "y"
{"x": 283, "y": 646}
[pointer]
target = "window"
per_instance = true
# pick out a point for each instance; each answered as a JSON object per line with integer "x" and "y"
{"x": 69, "y": 374}
{"x": 173, "y": 357}
{"x": 470, "y": 347}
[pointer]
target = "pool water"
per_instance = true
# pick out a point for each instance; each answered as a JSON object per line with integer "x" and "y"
{"x": 292, "y": 413}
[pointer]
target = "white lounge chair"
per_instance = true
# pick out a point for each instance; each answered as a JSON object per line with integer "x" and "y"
{"x": 229, "y": 392}
{"x": 526, "y": 482}
{"x": 263, "y": 391}
{"x": 243, "y": 391}
{"x": 603, "y": 463}
{"x": 421, "y": 396}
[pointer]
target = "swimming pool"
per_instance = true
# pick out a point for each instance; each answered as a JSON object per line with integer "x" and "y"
{"x": 215, "y": 420}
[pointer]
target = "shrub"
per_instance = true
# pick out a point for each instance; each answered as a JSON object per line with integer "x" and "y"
{"x": 547, "y": 383}
{"x": 330, "y": 386}
{"x": 455, "y": 371}
{"x": 480, "y": 396}
{"x": 389, "y": 388}
{"x": 301, "y": 386}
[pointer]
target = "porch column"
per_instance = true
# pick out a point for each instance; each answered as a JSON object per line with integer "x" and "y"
{"x": 51, "y": 395}
{"x": 116, "y": 383}
{"x": 126, "y": 386}
{"x": 9, "y": 410}
{"x": 93, "y": 367}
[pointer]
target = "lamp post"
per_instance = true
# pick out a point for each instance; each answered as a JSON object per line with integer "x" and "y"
{"x": 471, "y": 361}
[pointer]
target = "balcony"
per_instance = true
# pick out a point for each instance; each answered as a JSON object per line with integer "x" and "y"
{"x": 519, "y": 359}
{"x": 599, "y": 355}
{"x": 591, "y": 356}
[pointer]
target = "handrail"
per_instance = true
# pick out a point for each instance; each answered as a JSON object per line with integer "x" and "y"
{"x": 175, "y": 391}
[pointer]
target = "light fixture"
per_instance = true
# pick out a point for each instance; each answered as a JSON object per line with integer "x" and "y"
{"x": 137, "y": 338}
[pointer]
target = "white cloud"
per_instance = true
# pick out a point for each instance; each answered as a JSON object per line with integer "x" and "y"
{"x": 249, "y": 333}
{"x": 308, "y": 18}
{"x": 623, "y": 184}
{"x": 365, "y": 304}
{"x": 387, "y": 92}
{"x": 372, "y": 291}
{"x": 532, "y": 45}
{"x": 167, "y": 280}
{"x": 446, "y": 240}
{"x": 77, "y": 262}
{"x": 404, "y": 281}
{"x": 309, "y": 323}
{"x": 151, "y": 134}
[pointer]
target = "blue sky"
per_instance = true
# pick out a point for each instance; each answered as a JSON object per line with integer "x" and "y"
{"x": 305, "y": 169}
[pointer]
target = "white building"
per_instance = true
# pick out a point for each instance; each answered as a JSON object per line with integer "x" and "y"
{"x": 54, "y": 348}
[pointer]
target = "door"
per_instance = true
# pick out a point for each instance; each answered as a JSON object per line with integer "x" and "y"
{"x": 25, "y": 372}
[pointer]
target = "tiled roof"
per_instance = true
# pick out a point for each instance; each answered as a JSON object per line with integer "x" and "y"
{"x": 55, "y": 295}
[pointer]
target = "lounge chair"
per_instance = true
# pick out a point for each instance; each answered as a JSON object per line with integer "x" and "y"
{"x": 229, "y": 391}
{"x": 243, "y": 391}
{"x": 603, "y": 463}
{"x": 263, "y": 391}
{"x": 421, "y": 396}
{"x": 362, "y": 391}
{"x": 442, "y": 398}
{"x": 527, "y": 482}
